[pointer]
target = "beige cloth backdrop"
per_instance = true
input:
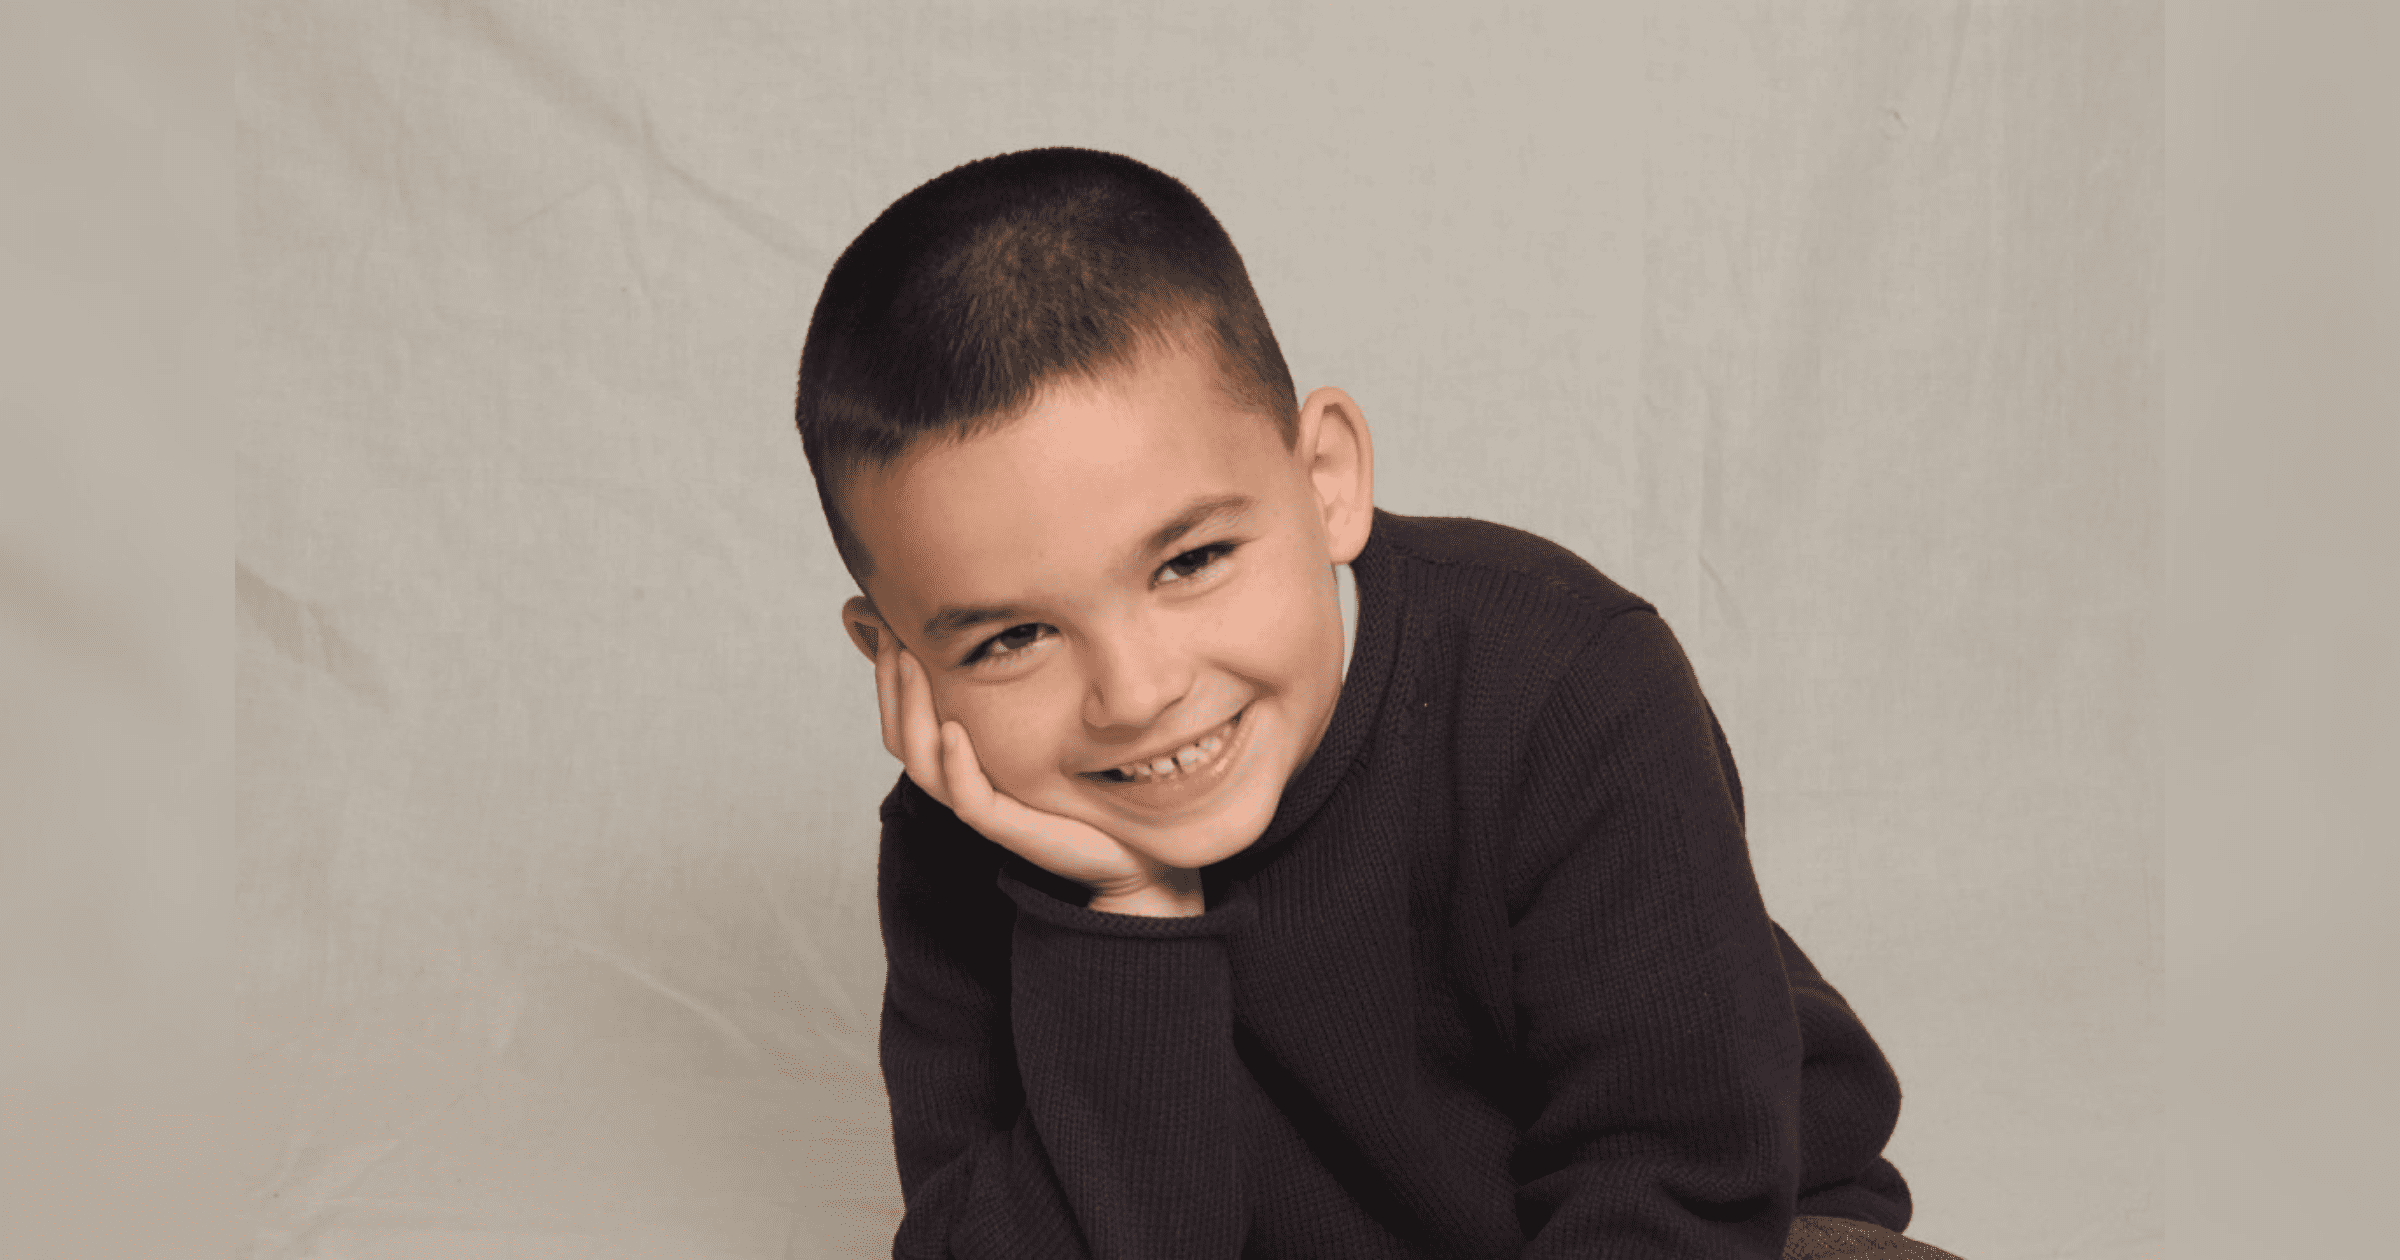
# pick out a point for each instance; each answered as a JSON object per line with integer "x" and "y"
{"x": 1830, "y": 328}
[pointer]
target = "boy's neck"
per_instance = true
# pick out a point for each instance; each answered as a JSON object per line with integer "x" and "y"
{"x": 1348, "y": 594}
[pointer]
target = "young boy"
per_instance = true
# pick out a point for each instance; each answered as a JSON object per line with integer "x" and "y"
{"x": 1217, "y": 928}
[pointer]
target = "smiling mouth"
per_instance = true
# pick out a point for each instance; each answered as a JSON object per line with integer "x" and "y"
{"x": 1194, "y": 756}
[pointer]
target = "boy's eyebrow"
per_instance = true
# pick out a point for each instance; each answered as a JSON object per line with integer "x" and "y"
{"x": 950, "y": 621}
{"x": 1193, "y": 516}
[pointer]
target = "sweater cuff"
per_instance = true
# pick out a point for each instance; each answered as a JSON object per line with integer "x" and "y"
{"x": 1222, "y": 919}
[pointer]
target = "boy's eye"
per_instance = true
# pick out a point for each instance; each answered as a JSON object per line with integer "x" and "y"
{"x": 1010, "y": 641}
{"x": 1193, "y": 561}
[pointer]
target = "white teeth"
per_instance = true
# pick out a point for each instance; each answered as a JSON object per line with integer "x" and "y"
{"x": 1184, "y": 758}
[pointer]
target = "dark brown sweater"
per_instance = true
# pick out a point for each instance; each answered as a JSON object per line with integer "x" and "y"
{"x": 1495, "y": 982}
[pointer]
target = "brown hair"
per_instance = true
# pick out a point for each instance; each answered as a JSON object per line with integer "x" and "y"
{"x": 963, "y": 298}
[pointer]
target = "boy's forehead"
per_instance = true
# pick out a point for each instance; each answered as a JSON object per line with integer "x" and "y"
{"x": 1092, "y": 470}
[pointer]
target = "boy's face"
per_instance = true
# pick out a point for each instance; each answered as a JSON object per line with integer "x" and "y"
{"x": 1128, "y": 570}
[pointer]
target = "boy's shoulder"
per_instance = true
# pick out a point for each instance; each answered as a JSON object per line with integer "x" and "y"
{"x": 1479, "y": 565}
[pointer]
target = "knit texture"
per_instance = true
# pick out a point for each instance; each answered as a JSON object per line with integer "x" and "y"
{"x": 1496, "y": 981}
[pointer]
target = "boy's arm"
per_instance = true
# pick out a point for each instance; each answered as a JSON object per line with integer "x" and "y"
{"x": 1655, "y": 1020}
{"x": 1849, "y": 1101}
{"x": 1849, "y": 1097}
{"x": 1062, "y": 1081}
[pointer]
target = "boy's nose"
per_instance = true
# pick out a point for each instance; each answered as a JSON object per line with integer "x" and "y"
{"x": 1134, "y": 680}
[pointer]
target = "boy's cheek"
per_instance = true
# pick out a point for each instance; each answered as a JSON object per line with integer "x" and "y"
{"x": 1011, "y": 777}
{"x": 1011, "y": 749}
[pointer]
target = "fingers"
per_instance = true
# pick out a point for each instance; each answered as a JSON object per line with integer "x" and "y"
{"x": 970, "y": 792}
{"x": 887, "y": 690}
{"x": 904, "y": 704}
{"x": 920, "y": 734}
{"x": 972, "y": 797}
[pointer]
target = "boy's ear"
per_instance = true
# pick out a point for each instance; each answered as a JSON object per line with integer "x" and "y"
{"x": 864, "y": 624}
{"x": 1341, "y": 465}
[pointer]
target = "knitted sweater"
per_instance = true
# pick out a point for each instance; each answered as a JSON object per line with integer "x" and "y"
{"x": 1496, "y": 981}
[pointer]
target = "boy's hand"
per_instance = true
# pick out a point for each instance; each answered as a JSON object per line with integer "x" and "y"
{"x": 941, "y": 759}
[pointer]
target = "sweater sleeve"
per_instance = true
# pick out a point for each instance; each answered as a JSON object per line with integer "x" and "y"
{"x": 1655, "y": 1017}
{"x": 1849, "y": 1097}
{"x": 1849, "y": 1101}
{"x": 1062, "y": 1080}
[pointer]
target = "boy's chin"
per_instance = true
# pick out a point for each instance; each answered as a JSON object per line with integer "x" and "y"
{"x": 1205, "y": 841}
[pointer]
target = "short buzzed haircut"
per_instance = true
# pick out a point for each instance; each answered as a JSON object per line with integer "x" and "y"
{"x": 965, "y": 297}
